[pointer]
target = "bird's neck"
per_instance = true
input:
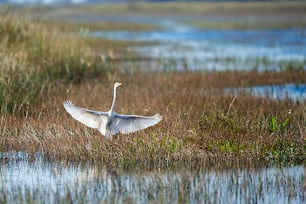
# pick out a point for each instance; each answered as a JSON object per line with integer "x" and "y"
{"x": 114, "y": 100}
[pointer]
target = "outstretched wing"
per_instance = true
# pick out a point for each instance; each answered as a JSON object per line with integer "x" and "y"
{"x": 89, "y": 118}
{"x": 132, "y": 123}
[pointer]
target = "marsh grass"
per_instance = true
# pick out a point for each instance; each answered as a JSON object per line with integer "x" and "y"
{"x": 34, "y": 58}
{"x": 201, "y": 123}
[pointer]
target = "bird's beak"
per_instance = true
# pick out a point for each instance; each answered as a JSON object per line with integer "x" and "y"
{"x": 119, "y": 84}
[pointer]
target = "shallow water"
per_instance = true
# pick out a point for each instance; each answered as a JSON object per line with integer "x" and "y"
{"x": 296, "y": 92}
{"x": 26, "y": 178}
{"x": 183, "y": 47}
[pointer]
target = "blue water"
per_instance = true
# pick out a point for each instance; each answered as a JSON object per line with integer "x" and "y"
{"x": 294, "y": 38}
{"x": 285, "y": 91}
{"x": 206, "y": 49}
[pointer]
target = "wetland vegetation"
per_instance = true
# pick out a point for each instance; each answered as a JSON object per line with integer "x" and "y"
{"x": 207, "y": 130}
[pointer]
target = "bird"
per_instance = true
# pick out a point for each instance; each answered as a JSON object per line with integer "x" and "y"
{"x": 111, "y": 123}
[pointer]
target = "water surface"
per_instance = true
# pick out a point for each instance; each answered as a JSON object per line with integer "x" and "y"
{"x": 207, "y": 49}
{"x": 26, "y": 178}
{"x": 296, "y": 92}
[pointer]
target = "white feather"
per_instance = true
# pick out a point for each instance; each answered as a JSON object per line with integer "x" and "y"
{"x": 89, "y": 118}
{"x": 132, "y": 123}
{"x": 110, "y": 123}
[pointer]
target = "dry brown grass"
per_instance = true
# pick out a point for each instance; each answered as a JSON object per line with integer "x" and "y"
{"x": 199, "y": 122}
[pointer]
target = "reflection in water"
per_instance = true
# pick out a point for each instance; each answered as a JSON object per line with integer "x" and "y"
{"x": 202, "y": 49}
{"x": 290, "y": 91}
{"x": 40, "y": 181}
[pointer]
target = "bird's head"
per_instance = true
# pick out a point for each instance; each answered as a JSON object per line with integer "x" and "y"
{"x": 117, "y": 84}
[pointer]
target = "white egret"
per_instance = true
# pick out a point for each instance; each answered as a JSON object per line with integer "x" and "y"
{"x": 110, "y": 123}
